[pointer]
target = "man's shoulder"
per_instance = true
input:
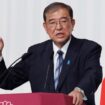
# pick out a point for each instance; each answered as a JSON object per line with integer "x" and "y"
{"x": 85, "y": 45}
{"x": 87, "y": 42}
{"x": 91, "y": 44}
{"x": 40, "y": 46}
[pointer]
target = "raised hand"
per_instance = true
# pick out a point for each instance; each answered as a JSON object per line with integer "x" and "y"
{"x": 1, "y": 45}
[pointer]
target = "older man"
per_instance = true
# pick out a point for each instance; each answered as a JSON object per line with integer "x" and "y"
{"x": 63, "y": 64}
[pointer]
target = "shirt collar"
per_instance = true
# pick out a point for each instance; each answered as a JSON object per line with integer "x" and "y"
{"x": 63, "y": 49}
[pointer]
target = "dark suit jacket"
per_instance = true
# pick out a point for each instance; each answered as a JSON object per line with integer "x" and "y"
{"x": 81, "y": 68}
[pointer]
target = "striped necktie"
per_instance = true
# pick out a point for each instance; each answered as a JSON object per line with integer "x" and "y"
{"x": 58, "y": 67}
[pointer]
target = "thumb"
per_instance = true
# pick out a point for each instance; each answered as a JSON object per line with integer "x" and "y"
{"x": 1, "y": 44}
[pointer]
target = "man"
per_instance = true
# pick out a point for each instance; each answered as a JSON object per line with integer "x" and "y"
{"x": 77, "y": 60}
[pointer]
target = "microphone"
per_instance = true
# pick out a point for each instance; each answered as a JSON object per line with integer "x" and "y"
{"x": 48, "y": 69}
{"x": 23, "y": 57}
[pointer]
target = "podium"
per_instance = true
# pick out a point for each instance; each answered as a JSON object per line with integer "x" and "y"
{"x": 36, "y": 99}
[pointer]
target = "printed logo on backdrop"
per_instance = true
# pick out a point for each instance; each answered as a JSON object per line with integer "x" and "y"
{"x": 6, "y": 103}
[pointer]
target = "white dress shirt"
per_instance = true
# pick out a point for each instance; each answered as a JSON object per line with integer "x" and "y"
{"x": 63, "y": 49}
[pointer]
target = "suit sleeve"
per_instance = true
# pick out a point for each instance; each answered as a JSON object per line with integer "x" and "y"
{"x": 91, "y": 75}
{"x": 14, "y": 76}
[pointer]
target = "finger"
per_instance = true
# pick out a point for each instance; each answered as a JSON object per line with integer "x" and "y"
{"x": 74, "y": 99}
{"x": 1, "y": 43}
{"x": 79, "y": 100}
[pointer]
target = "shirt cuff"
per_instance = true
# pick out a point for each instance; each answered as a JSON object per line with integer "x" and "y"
{"x": 82, "y": 91}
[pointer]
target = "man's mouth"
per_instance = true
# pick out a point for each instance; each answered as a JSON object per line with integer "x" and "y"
{"x": 59, "y": 34}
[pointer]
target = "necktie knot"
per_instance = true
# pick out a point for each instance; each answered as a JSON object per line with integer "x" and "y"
{"x": 60, "y": 52}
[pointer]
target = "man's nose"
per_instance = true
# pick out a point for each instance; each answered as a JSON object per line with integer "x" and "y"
{"x": 59, "y": 25}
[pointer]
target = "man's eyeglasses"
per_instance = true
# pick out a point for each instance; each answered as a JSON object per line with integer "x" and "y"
{"x": 63, "y": 21}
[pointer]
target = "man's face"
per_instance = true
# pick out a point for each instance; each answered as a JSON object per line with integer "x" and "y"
{"x": 59, "y": 26}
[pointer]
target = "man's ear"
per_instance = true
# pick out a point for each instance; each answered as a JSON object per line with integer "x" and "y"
{"x": 73, "y": 23}
{"x": 45, "y": 27}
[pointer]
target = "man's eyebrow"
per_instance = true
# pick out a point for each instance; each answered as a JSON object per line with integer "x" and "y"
{"x": 51, "y": 20}
{"x": 65, "y": 17}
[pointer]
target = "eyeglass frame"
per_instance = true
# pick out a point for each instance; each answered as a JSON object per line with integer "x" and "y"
{"x": 63, "y": 21}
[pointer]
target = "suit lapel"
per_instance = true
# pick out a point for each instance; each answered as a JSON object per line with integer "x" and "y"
{"x": 69, "y": 60}
{"x": 48, "y": 67}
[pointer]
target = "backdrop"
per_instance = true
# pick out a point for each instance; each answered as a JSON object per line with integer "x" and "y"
{"x": 21, "y": 25}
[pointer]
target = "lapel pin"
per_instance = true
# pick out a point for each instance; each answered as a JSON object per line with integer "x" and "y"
{"x": 68, "y": 62}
